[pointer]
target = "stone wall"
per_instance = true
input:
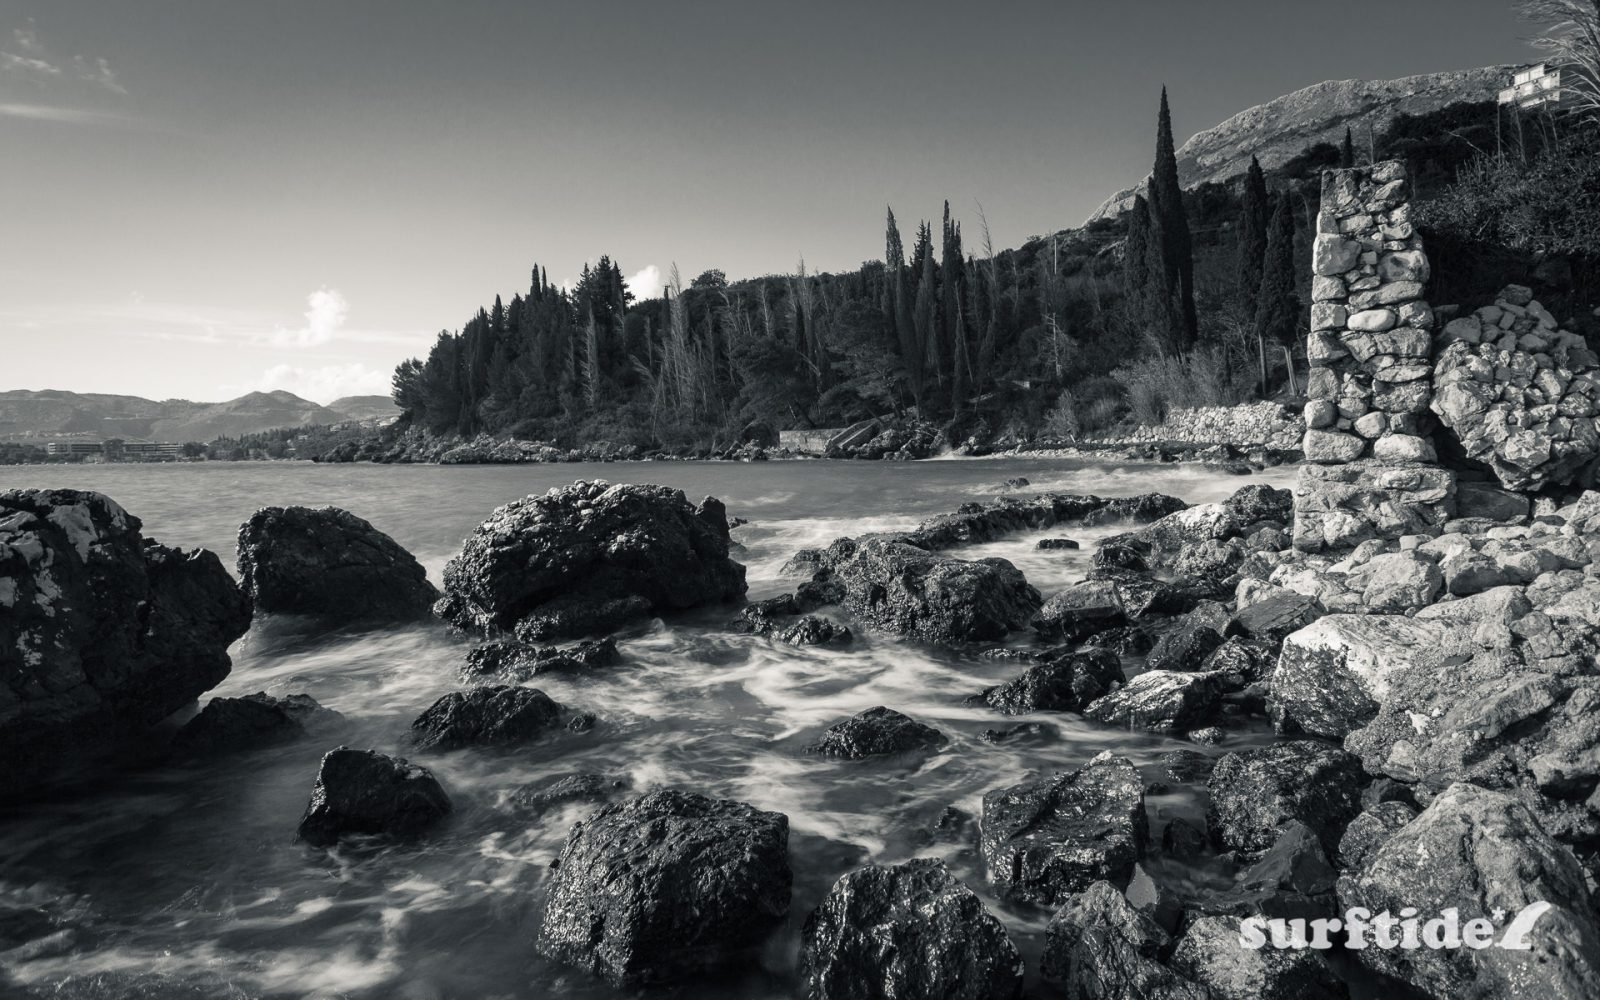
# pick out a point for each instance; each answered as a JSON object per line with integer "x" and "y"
{"x": 1264, "y": 424}
{"x": 1370, "y": 345}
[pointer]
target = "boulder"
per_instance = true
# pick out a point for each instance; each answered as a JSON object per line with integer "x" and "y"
{"x": 1482, "y": 855}
{"x": 366, "y": 792}
{"x": 666, "y": 887}
{"x": 1161, "y": 701}
{"x": 103, "y": 633}
{"x": 1044, "y": 840}
{"x": 1067, "y": 682}
{"x": 486, "y": 716}
{"x": 1368, "y": 832}
{"x": 1098, "y": 945}
{"x": 589, "y": 558}
{"x": 1184, "y": 647}
{"x": 510, "y": 660}
{"x": 328, "y": 562}
{"x": 1333, "y": 673}
{"x": 229, "y": 725}
{"x": 1254, "y": 792}
{"x": 877, "y": 732}
{"x": 907, "y": 930}
{"x": 1210, "y": 956}
{"x": 1080, "y": 611}
{"x": 1275, "y": 614}
{"x": 1490, "y": 501}
{"x": 1398, "y": 582}
{"x": 1341, "y": 506}
{"x": 898, "y": 588}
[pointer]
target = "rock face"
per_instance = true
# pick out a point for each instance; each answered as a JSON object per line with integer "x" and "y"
{"x": 486, "y": 716}
{"x": 1518, "y": 394}
{"x": 1098, "y": 945}
{"x": 910, "y": 930}
{"x": 227, "y": 725}
{"x": 1332, "y": 674}
{"x": 328, "y": 562}
{"x": 1255, "y": 792}
{"x": 365, "y": 792}
{"x": 588, "y": 558}
{"x": 1483, "y": 854}
{"x": 103, "y": 633}
{"x": 1064, "y": 683}
{"x": 1341, "y": 506}
{"x": 876, "y": 732}
{"x": 665, "y": 887}
{"x": 898, "y": 588}
{"x": 1043, "y": 841}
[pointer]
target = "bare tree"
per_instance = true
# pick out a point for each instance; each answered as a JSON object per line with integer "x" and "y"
{"x": 1572, "y": 38}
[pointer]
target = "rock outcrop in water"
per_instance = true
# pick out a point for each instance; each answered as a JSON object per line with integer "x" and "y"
{"x": 896, "y": 587}
{"x": 364, "y": 792}
{"x": 103, "y": 632}
{"x": 589, "y": 558}
{"x": 329, "y": 563}
{"x": 510, "y": 660}
{"x": 1065, "y": 682}
{"x": 908, "y": 930}
{"x": 487, "y": 716}
{"x": 665, "y": 887}
{"x": 877, "y": 732}
{"x": 229, "y": 725}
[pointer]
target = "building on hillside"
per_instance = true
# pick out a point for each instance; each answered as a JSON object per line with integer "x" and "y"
{"x": 151, "y": 450}
{"x": 1535, "y": 88}
{"x": 74, "y": 448}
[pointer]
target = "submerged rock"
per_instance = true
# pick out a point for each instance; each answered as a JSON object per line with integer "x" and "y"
{"x": 540, "y": 797}
{"x": 328, "y": 562}
{"x": 901, "y": 589}
{"x": 1254, "y": 792}
{"x": 1044, "y": 840}
{"x": 508, "y": 659}
{"x": 103, "y": 632}
{"x": 666, "y": 887}
{"x": 875, "y": 732}
{"x": 589, "y": 558}
{"x": 1063, "y": 683}
{"x": 909, "y": 930}
{"x": 366, "y": 792}
{"x": 486, "y": 716}
{"x": 229, "y": 725}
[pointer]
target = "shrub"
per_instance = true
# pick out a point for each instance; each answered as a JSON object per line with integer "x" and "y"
{"x": 1062, "y": 422}
{"x": 1203, "y": 377}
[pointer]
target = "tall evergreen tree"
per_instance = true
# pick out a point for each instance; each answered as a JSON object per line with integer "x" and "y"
{"x": 1172, "y": 223}
{"x": 1277, "y": 308}
{"x": 1136, "y": 257}
{"x": 1254, "y": 213}
{"x": 1347, "y": 152}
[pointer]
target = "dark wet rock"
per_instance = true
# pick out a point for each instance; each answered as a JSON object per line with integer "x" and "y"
{"x": 1125, "y": 640}
{"x": 1182, "y": 839}
{"x": 908, "y": 591}
{"x": 1064, "y": 683}
{"x": 1161, "y": 701}
{"x": 763, "y": 617}
{"x": 1187, "y": 766}
{"x": 954, "y": 826}
{"x": 589, "y": 558}
{"x": 813, "y": 630}
{"x": 1080, "y": 611}
{"x": 366, "y": 792}
{"x": 510, "y": 660}
{"x": 1254, "y": 792}
{"x": 1184, "y": 648}
{"x": 780, "y": 618}
{"x": 1050, "y": 544}
{"x": 1209, "y": 955}
{"x": 978, "y": 522}
{"x": 1332, "y": 674}
{"x": 666, "y": 887}
{"x": 1098, "y": 945}
{"x": 1015, "y": 483}
{"x": 1045, "y": 840}
{"x": 103, "y": 633}
{"x": 875, "y": 732}
{"x": 541, "y": 797}
{"x": 1142, "y": 509}
{"x": 1483, "y": 854}
{"x": 909, "y": 930}
{"x": 328, "y": 562}
{"x": 486, "y": 716}
{"x": 1115, "y": 555}
{"x": 1209, "y": 735}
{"x": 1142, "y": 595}
{"x": 1275, "y": 617}
{"x": 229, "y": 725}
{"x": 819, "y": 593}
{"x": 1242, "y": 661}
{"x": 1030, "y": 733}
{"x": 1367, "y": 832}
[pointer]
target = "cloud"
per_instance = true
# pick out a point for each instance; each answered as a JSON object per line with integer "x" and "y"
{"x": 98, "y": 71}
{"x": 646, "y": 283}
{"x": 31, "y": 60}
{"x": 10, "y": 62}
{"x": 325, "y": 317}
{"x": 62, "y": 115}
{"x": 321, "y": 385}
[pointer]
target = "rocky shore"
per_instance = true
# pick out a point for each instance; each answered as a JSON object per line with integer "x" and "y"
{"x": 1435, "y": 692}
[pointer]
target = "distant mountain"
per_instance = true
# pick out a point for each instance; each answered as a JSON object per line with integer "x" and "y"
{"x": 1278, "y": 130}
{"x": 27, "y": 415}
{"x": 366, "y": 407}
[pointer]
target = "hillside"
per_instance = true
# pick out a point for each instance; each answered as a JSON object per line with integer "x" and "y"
{"x": 366, "y": 407}
{"x": 29, "y": 415}
{"x": 1282, "y": 128}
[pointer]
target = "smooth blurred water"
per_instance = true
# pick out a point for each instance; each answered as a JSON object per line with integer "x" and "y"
{"x": 187, "y": 880}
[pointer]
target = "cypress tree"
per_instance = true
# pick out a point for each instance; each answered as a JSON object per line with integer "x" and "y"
{"x": 1172, "y": 222}
{"x": 1254, "y": 213}
{"x": 1277, "y": 308}
{"x": 1136, "y": 258}
{"x": 1347, "y": 152}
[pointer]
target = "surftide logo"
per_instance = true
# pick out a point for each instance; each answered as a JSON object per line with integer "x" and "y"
{"x": 1360, "y": 929}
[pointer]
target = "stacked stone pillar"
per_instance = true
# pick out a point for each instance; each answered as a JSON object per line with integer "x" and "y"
{"x": 1371, "y": 344}
{"x": 1370, "y": 467}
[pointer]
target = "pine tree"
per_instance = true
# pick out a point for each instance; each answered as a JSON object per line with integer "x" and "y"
{"x": 1172, "y": 223}
{"x": 1254, "y": 214}
{"x": 1277, "y": 308}
{"x": 1347, "y": 152}
{"x": 1136, "y": 257}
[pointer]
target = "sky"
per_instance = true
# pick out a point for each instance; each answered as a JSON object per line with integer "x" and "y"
{"x": 200, "y": 198}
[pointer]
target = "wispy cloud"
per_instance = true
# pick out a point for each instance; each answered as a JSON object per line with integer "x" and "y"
{"x": 27, "y": 61}
{"x": 63, "y": 115}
